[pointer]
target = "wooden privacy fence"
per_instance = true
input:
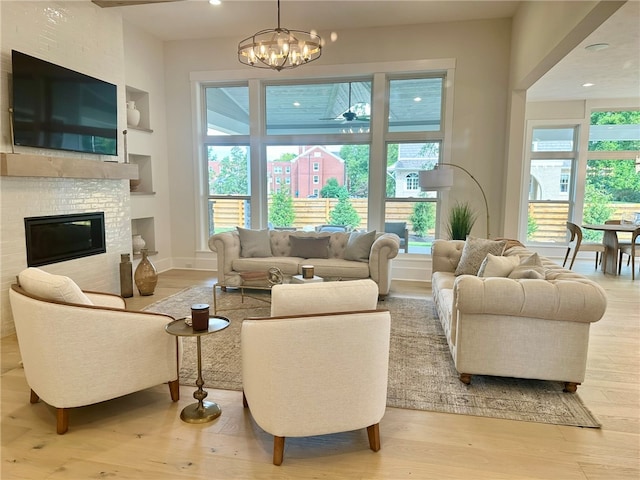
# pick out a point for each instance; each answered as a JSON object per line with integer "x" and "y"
{"x": 309, "y": 212}
{"x": 551, "y": 219}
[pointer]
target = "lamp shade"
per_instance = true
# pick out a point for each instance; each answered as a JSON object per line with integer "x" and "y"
{"x": 436, "y": 179}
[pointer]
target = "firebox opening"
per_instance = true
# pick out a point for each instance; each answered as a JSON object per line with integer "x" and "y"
{"x": 59, "y": 238}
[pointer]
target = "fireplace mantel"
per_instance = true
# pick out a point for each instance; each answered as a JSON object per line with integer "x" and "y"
{"x": 25, "y": 165}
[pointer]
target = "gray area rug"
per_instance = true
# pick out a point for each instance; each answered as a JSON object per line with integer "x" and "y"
{"x": 421, "y": 371}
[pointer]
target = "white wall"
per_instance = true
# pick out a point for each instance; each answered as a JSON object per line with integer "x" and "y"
{"x": 481, "y": 51}
{"x": 83, "y": 37}
{"x": 543, "y": 33}
{"x": 144, "y": 70}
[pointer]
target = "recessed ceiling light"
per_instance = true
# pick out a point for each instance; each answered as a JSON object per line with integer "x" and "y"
{"x": 417, "y": 99}
{"x": 596, "y": 47}
{"x": 215, "y": 2}
{"x": 588, "y": 84}
{"x": 296, "y": 104}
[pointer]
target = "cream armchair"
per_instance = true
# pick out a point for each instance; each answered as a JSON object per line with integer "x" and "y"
{"x": 80, "y": 348}
{"x": 317, "y": 373}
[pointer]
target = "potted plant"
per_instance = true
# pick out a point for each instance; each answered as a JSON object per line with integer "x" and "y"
{"x": 461, "y": 220}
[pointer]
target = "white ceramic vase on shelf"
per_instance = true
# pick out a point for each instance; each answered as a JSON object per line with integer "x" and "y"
{"x": 133, "y": 114}
{"x": 138, "y": 243}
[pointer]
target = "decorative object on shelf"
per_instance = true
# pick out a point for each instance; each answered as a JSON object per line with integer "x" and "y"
{"x": 138, "y": 244}
{"x": 126, "y": 276}
{"x": 279, "y": 48}
{"x": 146, "y": 276}
{"x": 134, "y": 183}
{"x": 133, "y": 114}
{"x": 442, "y": 178}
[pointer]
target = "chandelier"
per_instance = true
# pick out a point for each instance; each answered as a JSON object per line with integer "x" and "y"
{"x": 279, "y": 48}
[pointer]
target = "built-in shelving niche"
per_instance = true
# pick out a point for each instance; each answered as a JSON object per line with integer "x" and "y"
{"x": 146, "y": 227}
{"x": 143, "y": 186}
{"x": 141, "y": 99}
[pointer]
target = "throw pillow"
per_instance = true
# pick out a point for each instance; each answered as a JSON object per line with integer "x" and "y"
{"x": 309, "y": 247}
{"x": 497, "y": 266}
{"x": 254, "y": 243}
{"x": 474, "y": 252}
{"x": 52, "y": 287}
{"x": 359, "y": 246}
{"x": 530, "y": 267}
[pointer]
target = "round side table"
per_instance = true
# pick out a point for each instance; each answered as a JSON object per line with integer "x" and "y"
{"x": 200, "y": 412}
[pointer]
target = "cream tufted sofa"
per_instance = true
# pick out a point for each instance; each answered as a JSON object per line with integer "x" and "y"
{"x": 523, "y": 328}
{"x": 378, "y": 268}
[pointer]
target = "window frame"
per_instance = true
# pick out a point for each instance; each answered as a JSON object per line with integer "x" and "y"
{"x": 377, "y": 137}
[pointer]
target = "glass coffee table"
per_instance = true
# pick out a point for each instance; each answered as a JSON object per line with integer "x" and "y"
{"x": 263, "y": 283}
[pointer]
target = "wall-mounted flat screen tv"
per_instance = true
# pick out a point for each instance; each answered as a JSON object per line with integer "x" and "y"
{"x": 58, "y": 108}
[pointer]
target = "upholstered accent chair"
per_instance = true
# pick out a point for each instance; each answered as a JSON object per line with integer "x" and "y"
{"x": 80, "y": 348}
{"x": 400, "y": 229}
{"x": 319, "y": 364}
{"x": 578, "y": 245}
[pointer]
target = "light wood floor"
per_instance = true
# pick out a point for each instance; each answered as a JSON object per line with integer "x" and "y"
{"x": 141, "y": 436}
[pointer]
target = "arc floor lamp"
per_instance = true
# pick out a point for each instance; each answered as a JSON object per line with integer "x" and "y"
{"x": 442, "y": 178}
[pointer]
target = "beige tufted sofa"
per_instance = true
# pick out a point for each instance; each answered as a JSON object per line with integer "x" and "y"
{"x": 378, "y": 268}
{"x": 523, "y": 328}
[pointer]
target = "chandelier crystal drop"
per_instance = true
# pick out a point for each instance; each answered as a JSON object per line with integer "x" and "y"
{"x": 279, "y": 48}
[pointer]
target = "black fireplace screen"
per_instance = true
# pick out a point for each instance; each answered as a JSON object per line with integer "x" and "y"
{"x": 58, "y": 238}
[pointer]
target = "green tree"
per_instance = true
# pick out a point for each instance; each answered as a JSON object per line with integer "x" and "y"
{"x": 332, "y": 189}
{"x": 356, "y": 160}
{"x": 286, "y": 157}
{"x": 392, "y": 158}
{"x": 532, "y": 226}
{"x": 233, "y": 177}
{"x": 617, "y": 177}
{"x": 596, "y": 210}
{"x": 344, "y": 213}
{"x": 282, "y": 212}
{"x": 423, "y": 218}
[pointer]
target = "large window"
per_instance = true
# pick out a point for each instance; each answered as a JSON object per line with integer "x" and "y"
{"x": 612, "y": 186}
{"x": 336, "y": 196}
{"x": 553, "y": 158}
{"x": 320, "y": 134}
{"x": 405, "y": 202}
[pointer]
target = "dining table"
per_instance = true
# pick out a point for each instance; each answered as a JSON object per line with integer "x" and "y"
{"x": 610, "y": 241}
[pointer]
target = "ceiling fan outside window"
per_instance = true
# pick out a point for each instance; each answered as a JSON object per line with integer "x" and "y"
{"x": 358, "y": 112}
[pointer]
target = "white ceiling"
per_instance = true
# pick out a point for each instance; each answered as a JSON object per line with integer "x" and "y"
{"x": 614, "y": 71}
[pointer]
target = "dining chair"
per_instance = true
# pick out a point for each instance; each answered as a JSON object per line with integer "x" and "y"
{"x": 629, "y": 248}
{"x": 579, "y": 245}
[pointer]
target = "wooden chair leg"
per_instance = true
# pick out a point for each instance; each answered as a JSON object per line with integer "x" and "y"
{"x": 573, "y": 258}
{"x": 570, "y": 387}
{"x": 278, "y": 450}
{"x": 174, "y": 390}
{"x": 620, "y": 262}
{"x": 566, "y": 257}
{"x": 62, "y": 419}
{"x": 34, "y": 397}
{"x": 373, "y": 432}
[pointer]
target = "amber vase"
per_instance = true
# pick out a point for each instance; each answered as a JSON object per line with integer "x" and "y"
{"x": 146, "y": 276}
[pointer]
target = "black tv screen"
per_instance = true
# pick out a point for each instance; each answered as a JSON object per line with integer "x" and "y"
{"x": 58, "y": 108}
